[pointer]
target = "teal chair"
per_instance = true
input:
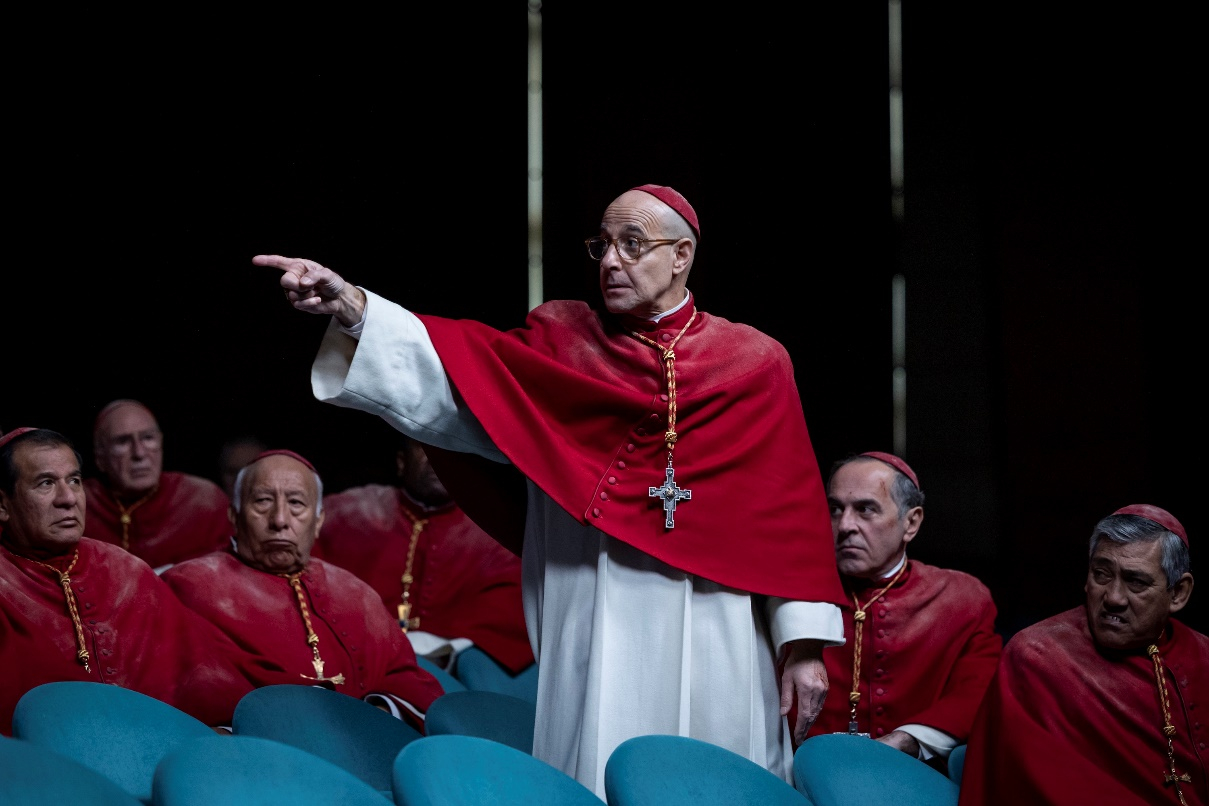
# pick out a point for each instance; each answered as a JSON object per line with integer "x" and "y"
{"x": 658, "y": 770}
{"x": 478, "y": 670}
{"x": 489, "y": 714}
{"x": 119, "y": 732}
{"x": 836, "y": 769}
{"x": 249, "y": 771}
{"x": 336, "y": 727}
{"x": 33, "y": 775}
{"x": 957, "y": 760}
{"x": 448, "y": 682}
{"x": 458, "y": 770}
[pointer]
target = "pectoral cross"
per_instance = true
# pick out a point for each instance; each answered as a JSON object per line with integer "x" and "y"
{"x": 670, "y": 493}
{"x": 406, "y": 623}
{"x": 326, "y": 682}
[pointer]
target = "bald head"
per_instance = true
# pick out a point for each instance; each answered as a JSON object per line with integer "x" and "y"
{"x": 128, "y": 448}
{"x": 655, "y": 280}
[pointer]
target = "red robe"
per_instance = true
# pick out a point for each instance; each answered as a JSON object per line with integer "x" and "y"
{"x": 466, "y": 585}
{"x": 259, "y": 610}
{"x": 928, "y": 652}
{"x": 580, "y": 407}
{"x": 1063, "y": 723}
{"x": 185, "y": 518}
{"x": 139, "y": 635}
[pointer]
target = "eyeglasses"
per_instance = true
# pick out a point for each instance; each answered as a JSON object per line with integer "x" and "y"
{"x": 628, "y": 247}
{"x": 147, "y": 440}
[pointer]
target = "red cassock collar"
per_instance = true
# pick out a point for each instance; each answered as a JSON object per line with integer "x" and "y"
{"x": 580, "y": 406}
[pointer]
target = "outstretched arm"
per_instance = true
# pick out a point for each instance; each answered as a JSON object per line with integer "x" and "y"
{"x": 314, "y": 288}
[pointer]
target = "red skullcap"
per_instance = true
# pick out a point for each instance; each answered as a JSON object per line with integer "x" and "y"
{"x": 673, "y": 199}
{"x": 896, "y": 463}
{"x": 284, "y": 452}
{"x": 1160, "y": 516}
{"x": 11, "y": 435}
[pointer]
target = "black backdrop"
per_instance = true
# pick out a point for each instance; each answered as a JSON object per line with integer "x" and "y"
{"x": 1048, "y": 243}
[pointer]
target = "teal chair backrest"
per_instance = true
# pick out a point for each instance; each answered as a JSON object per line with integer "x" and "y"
{"x": 478, "y": 670}
{"x": 448, "y": 682}
{"x": 659, "y": 770}
{"x": 957, "y": 760}
{"x": 458, "y": 770}
{"x": 838, "y": 768}
{"x": 336, "y": 727}
{"x": 116, "y": 731}
{"x": 33, "y": 775}
{"x": 489, "y": 714}
{"x": 249, "y": 771}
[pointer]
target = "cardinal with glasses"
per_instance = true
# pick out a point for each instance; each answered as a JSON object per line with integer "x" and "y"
{"x": 160, "y": 516}
{"x": 675, "y": 538}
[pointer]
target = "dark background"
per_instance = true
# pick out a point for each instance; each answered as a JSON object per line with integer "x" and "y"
{"x": 1051, "y": 242}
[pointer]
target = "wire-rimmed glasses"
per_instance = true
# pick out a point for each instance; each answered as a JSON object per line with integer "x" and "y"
{"x": 628, "y": 246}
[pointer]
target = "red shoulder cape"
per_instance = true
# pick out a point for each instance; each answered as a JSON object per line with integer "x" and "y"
{"x": 1063, "y": 723}
{"x": 185, "y": 518}
{"x": 579, "y": 406}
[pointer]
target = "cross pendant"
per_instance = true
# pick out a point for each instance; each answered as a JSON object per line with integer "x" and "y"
{"x": 1171, "y": 778}
{"x": 670, "y": 493}
{"x": 326, "y": 682}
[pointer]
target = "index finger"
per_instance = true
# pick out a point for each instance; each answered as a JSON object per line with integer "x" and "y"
{"x": 279, "y": 262}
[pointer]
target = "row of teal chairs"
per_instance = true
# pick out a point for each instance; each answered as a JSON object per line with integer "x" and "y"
{"x": 302, "y": 745}
{"x": 476, "y": 670}
{"x": 124, "y": 735}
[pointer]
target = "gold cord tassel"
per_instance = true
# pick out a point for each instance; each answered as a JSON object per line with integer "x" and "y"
{"x": 1170, "y": 777}
{"x": 858, "y": 618}
{"x": 312, "y": 639}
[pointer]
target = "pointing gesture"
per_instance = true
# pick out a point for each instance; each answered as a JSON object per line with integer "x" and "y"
{"x": 314, "y": 288}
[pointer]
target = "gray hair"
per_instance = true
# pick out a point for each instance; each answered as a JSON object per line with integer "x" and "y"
{"x": 903, "y": 492}
{"x": 237, "y": 492}
{"x": 1125, "y": 529}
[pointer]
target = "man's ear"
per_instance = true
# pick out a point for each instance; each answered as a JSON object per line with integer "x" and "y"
{"x": 1181, "y": 592}
{"x": 915, "y": 519}
{"x": 684, "y": 255}
{"x": 4, "y": 513}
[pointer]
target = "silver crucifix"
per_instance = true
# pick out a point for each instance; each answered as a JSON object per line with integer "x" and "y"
{"x": 670, "y": 494}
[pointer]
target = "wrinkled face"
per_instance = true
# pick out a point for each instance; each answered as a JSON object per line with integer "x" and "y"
{"x": 277, "y": 526}
{"x": 647, "y": 286}
{"x": 419, "y": 479}
{"x": 129, "y": 450}
{"x": 1128, "y": 601}
{"x": 45, "y": 514}
{"x": 870, "y": 537}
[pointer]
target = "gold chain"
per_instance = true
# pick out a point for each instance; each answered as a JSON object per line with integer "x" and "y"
{"x": 858, "y": 618}
{"x": 72, "y": 606}
{"x": 312, "y": 639}
{"x": 417, "y": 526}
{"x": 669, "y": 358}
{"x": 1171, "y": 777}
{"x": 125, "y": 519}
